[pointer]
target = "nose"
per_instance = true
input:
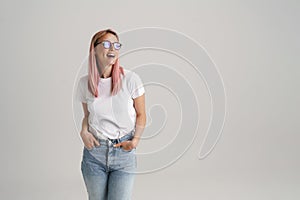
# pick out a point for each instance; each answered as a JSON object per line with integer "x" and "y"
{"x": 111, "y": 47}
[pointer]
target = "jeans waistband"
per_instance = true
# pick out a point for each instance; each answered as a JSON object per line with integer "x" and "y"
{"x": 126, "y": 137}
{"x": 100, "y": 136}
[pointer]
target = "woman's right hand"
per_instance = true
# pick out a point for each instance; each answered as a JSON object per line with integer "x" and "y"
{"x": 89, "y": 140}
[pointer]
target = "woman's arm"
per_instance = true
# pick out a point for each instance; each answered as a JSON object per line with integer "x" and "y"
{"x": 85, "y": 119}
{"x": 87, "y": 137}
{"x": 139, "y": 105}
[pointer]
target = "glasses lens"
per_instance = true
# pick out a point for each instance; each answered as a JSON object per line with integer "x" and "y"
{"x": 117, "y": 45}
{"x": 106, "y": 44}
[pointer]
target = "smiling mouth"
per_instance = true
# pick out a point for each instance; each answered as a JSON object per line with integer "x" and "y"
{"x": 111, "y": 55}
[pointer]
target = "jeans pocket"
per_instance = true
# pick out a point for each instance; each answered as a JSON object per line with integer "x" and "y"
{"x": 90, "y": 149}
{"x": 132, "y": 150}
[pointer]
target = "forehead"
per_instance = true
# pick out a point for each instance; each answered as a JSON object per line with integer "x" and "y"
{"x": 109, "y": 37}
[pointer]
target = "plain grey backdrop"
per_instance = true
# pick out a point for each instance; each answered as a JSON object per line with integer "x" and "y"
{"x": 255, "y": 45}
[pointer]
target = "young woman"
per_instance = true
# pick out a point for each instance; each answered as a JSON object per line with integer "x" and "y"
{"x": 113, "y": 101}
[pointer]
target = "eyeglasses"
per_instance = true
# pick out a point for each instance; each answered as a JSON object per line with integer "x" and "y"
{"x": 107, "y": 44}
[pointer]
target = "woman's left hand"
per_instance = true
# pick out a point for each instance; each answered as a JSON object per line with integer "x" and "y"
{"x": 128, "y": 145}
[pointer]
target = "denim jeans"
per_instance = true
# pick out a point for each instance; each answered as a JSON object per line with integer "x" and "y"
{"x": 108, "y": 171}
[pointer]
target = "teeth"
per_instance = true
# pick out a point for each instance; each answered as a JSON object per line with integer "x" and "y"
{"x": 111, "y": 55}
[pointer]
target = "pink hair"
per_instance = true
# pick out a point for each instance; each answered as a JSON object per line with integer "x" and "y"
{"x": 93, "y": 71}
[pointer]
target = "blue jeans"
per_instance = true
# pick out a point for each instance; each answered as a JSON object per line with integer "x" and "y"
{"x": 108, "y": 171}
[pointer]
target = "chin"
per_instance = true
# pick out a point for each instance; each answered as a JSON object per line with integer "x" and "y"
{"x": 113, "y": 62}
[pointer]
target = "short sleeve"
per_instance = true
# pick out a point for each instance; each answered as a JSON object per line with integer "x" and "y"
{"x": 135, "y": 86}
{"x": 80, "y": 93}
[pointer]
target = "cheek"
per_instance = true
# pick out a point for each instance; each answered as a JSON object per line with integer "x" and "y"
{"x": 101, "y": 52}
{"x": 102, "y": 56}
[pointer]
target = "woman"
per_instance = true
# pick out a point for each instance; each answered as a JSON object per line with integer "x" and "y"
{"x": 113, "y": 102}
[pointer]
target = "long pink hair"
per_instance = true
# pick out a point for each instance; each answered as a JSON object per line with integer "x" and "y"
{"x": 94, "y": 71}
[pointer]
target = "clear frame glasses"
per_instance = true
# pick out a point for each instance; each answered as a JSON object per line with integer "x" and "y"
{"x": 107, "y": 44}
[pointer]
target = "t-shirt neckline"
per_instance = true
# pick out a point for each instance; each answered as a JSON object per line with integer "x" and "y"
{"x": 105, "y": 79}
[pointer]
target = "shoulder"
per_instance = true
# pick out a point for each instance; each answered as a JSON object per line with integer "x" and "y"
{"x": 128, "y": 72}
{"x": 130, "y": 75}
{"x": 84, "y": 77}
{"x": 83, "y": 80}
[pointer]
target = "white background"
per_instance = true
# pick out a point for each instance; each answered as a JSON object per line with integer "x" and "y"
{"x": 255, "y": 45}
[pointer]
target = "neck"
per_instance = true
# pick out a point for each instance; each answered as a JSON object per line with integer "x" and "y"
{"x": 107, "y": 72}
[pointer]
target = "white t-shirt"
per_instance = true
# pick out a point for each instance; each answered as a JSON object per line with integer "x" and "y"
{"x": 112, "y": 116}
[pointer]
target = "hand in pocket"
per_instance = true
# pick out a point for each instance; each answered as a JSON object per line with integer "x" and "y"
{"x": 89, "y": 140}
